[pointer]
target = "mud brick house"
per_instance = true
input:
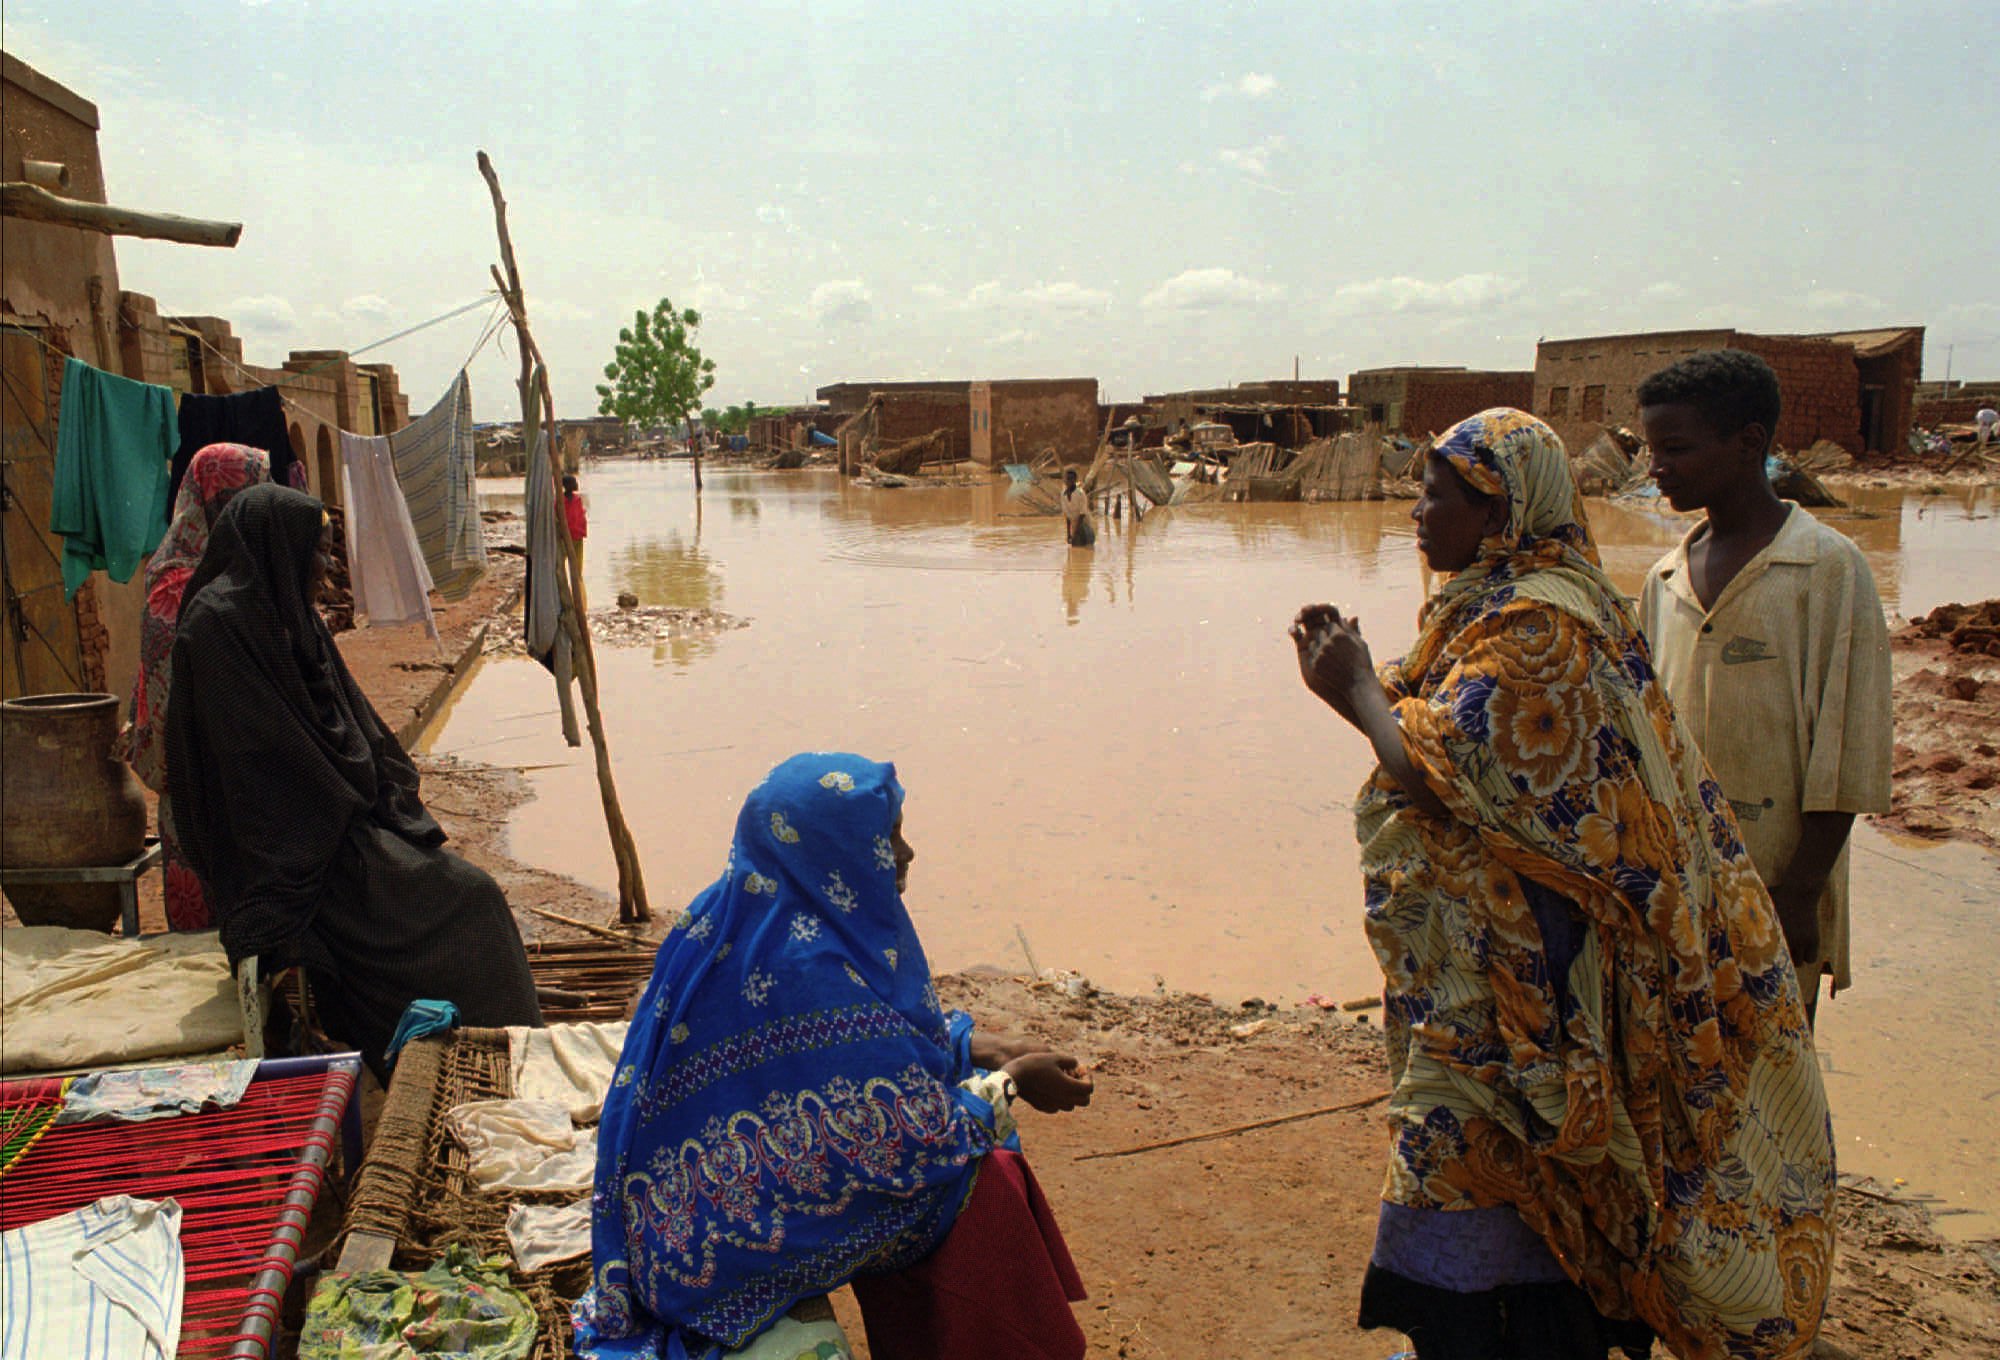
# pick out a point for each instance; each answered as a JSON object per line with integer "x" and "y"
{"x": 1953, "y": 402}
{"x": 977, "y": 418}
{"x": 1199, "y": 404}
{"x": 1016, "y": 419}
{"x": 1856, "y": 388}
{"x": 60, "y": 297}
{"x": 906, "y": 410}
{"x": 1422, "y": 400}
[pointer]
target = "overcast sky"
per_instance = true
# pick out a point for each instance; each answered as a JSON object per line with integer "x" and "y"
{"x": 1156, "y": 195}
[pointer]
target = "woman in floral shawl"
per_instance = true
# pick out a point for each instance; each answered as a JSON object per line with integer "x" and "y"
{"x": 1606, "y": 1117}
{"x": 793, "y": 1110}
{"x": 214, "y": 476}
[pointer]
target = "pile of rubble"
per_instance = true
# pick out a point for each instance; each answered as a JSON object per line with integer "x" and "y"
{"x": 630, "y": 625}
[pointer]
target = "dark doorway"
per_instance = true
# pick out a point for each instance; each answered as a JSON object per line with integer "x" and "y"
{"x": 1872, "y": 434}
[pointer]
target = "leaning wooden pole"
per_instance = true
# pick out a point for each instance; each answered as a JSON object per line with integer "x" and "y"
{"x": 537, "y": 411}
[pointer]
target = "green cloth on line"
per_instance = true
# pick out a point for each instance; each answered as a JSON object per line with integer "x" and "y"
{"x": 115, "y": 442}
{"x": 461, "y": 1307}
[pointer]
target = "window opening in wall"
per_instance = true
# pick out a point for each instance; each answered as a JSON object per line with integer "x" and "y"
{"x": 1558, "y": 403}
{"x": 1593, "y": 403}
{"x": 184, "y": 373}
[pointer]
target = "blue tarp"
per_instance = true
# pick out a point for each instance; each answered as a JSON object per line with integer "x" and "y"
{"x": 823, "y": 440}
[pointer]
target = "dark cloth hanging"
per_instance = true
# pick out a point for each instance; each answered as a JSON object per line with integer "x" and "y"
{"x": 301, "y": 809}
{"x": 254, "y": 418}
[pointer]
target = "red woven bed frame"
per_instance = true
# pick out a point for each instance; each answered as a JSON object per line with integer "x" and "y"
{"x": 246, "y": 1179}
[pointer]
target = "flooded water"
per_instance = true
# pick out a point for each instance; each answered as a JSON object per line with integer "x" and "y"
{"x": 1109, "y": 756}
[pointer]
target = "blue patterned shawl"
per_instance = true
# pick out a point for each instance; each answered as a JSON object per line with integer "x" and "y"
{"x": 786, "y": 1113}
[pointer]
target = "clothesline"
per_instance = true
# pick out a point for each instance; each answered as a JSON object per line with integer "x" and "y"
{"x": 486, "y": 336}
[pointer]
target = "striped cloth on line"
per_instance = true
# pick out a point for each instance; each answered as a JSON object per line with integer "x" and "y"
{"x": 103, "y": 1283}
{"x": 434, "y": 464}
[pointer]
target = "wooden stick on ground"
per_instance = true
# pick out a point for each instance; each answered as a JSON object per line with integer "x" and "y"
{"x": 1254, "y": 1124}
{"x": 537, "y": 405}
{"x": 635, "y": 941}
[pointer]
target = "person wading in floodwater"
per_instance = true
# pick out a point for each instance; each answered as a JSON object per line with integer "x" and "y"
{"x": 1076, "y": 513}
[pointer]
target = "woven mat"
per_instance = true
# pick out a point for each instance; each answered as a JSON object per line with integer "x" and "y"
{"x": 606, "y": 975}
{"x": 414, "y": 1185}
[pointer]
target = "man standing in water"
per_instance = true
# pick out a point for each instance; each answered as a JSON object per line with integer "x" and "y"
{"x": 1076, "y": 513}
{"x": 1770, "y": 640}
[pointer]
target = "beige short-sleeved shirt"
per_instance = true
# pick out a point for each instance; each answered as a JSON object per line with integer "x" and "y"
{"x": 1075, "y": 506}
{"x": 1785, "y": 686}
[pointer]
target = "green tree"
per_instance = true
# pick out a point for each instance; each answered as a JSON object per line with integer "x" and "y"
{"x": 657, "y": 375}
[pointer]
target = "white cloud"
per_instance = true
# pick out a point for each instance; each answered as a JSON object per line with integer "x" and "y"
{"x": 1252, "y": 160}
{"x": 1201, "y": 290}
{"x": 1840, "y": 300}
{"x": 368, "y": 307}
{"x": 842, "y": 302}
{"x": 1065, "y": 296}
{"x": 1250, "y": 85}
{"x": 992, "y": 295}
{"x": 268, "y": 315}
{"x": 1402, "y": 293}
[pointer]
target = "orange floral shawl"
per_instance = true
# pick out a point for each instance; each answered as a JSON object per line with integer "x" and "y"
{"x": 1662, "y": 1126}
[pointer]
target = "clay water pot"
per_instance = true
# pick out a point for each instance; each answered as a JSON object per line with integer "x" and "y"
{"x": 66, "y": 802}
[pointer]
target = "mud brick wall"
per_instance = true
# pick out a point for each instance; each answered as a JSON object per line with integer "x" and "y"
{"x": 1566, "y": 371}
{"x": 1822, "y": 390}
{"x": 1057, "y": 413}
{"x": 1951, "y": 410}
{"x": 1434, "y": 402}
{"x": 905, "y": 415}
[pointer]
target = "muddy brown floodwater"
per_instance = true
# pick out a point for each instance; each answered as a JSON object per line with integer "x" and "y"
{"x": 1109, "y": 755}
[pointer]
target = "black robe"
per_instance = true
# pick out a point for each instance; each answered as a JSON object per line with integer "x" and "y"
{"x": 301, "y": 810}
{"x": 255, "y": 419}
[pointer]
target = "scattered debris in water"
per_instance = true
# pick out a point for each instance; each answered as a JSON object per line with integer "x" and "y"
{"x": 636, "y": 626}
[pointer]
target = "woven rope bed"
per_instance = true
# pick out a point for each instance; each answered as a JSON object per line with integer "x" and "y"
{"x": 414, "y": 1196}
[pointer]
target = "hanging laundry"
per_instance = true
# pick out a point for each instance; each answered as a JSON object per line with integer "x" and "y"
{"x": 548, "y": 642}
{"x": 434, "y": 464}
{"x": 256, "y": 418}
{"x": 103, "y": 1283}
{"x": 110, "y": 498}
{"x": 385, "y": 566}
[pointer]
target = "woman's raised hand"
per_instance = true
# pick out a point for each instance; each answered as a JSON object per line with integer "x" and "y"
{"x": 1333, "y": 659}
{"x": 1051, "y": 1082}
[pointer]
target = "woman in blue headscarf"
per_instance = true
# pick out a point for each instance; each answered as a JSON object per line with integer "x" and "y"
{"x": 794, "y": 1110}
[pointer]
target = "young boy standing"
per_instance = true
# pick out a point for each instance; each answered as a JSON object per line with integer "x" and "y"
{"x": 1770, "y": 640}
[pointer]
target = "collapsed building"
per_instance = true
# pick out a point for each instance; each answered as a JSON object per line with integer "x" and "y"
{"x": 1855, "y": 388}
{"x": 988, "y": 422}
{"x": 1287, "y": 412}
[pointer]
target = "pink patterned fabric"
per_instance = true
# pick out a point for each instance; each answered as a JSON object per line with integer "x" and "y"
{"x": 215, "y": 475}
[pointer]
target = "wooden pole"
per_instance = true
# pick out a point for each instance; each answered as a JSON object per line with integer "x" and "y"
{"x": 33, "y": 203}
{"x": 629, "y": 941}
{"x": 537, "y": 405}
{"x": 1234, "y": 1129}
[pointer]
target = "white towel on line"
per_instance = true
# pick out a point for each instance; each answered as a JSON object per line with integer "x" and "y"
{"x": 385, "y": 565}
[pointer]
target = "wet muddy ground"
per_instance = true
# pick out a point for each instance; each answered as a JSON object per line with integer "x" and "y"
{"x": 1112, "y": 765}
{"x": 1254, "y": 1242}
